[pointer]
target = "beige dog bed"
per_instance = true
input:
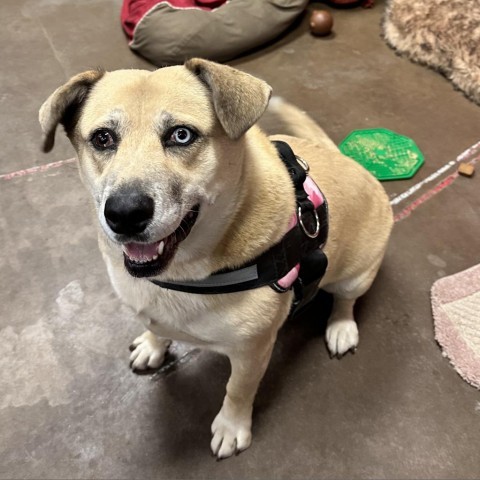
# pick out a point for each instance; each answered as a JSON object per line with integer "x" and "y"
{"x": 170, "y": 32}
{"x": 443, "y": 34}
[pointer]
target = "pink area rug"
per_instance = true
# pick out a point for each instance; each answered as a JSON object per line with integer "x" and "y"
{"x": 456, "y": 313}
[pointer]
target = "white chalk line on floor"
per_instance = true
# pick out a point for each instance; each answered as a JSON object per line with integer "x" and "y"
{"x": 430, "y": 178}
{"x": 464, "y": 155}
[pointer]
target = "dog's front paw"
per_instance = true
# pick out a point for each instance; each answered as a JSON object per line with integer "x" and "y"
{"x": 148, "y": 351}
{"x": 342, "y": 336}
{"x": 231, "y": 433}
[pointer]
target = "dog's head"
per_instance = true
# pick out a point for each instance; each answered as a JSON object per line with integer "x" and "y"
{"x": 157, "y": 150}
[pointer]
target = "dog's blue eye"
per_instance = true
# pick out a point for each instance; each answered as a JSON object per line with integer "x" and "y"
{"x": 182, "y": 136}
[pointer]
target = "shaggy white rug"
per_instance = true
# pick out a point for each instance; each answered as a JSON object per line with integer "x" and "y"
{"x": 456, "y": 312}
{"x": 442, "y": 34}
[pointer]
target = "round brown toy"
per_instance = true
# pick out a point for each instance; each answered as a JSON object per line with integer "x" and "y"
{"x": 321, "y": 22}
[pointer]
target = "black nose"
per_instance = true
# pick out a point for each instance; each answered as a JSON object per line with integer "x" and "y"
{"x": 129, "y": 213}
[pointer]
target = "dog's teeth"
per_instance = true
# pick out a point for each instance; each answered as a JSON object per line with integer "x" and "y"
{"x": 160, "y": 247}
{"x": 154, "y": 258}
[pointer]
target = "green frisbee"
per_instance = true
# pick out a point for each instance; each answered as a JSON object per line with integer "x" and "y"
{"x": 386, "y": 154}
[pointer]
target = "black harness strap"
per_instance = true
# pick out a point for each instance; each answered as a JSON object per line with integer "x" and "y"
{"x": 313, "y": 261}
{"x": 297, "y": 246}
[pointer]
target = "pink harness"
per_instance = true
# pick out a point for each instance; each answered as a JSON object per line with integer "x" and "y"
{"x": 317, "y": 198}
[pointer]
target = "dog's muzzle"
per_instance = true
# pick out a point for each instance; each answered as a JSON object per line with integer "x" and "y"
{"x": 128, "y": 213}
{"x": 150, "y": 259}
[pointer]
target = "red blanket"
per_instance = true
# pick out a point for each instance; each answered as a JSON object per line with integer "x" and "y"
{"x": 134, "y": 10}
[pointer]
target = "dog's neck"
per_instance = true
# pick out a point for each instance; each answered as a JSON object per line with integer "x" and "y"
{"x": 263, "y": 207}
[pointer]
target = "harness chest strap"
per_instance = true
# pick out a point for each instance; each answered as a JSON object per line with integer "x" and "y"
{"x": 297, "y": 260}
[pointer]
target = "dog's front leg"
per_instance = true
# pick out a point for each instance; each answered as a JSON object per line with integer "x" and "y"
{"x": 231, "y": 428}
{"x": 148, "y": 350}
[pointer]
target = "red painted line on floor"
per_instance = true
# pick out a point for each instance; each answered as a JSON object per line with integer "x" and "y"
{"x": 432, "y": 192}
{"x": 474, "y": 149}
{"x": 37, "y": 169}
{"x": 426, "y": 196}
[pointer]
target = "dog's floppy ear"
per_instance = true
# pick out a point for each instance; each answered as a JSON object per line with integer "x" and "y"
{"x": 239, "y": 99}
{"x": 63, "y": 104}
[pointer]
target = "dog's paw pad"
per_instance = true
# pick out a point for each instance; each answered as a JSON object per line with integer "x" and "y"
{"x": 148, "y": 352}
{"x": 342, "y": 336}
{"x": 230, "y": 436}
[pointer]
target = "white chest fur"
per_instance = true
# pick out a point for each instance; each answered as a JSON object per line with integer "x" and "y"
{"x": 211, "y": 321}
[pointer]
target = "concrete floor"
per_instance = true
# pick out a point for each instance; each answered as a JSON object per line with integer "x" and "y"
{"x": 69, "y": 405}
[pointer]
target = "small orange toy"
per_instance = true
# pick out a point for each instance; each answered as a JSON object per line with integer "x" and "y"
{"x": 466, "y": 169}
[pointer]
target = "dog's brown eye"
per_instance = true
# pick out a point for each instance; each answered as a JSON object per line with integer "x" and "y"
{"x": 103, "y": 139}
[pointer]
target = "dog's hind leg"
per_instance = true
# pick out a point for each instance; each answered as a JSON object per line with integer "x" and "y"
{"x": 148, "y": 351}
{"x": 342, "y": 331}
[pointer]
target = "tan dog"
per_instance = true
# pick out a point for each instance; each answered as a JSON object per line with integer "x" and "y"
{"x": 184, "y": 184}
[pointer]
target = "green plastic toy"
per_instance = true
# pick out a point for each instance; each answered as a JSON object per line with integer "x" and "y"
{"x": 386, "y": 154}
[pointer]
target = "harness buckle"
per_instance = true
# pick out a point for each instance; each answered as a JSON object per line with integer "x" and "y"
{"x": 278, "y": 288}
{"x": 305, "y": 230}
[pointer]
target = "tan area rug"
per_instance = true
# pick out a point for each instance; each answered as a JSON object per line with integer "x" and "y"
{"x": 456, "y": 312}
{"x": 443, "y": 34}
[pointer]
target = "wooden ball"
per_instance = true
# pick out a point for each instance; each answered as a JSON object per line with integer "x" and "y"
{"x": 321, "y": 22}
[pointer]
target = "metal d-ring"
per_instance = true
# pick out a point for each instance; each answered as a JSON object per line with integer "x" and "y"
{"x": 305, "y": 231}
{"x": 303, "y": 163}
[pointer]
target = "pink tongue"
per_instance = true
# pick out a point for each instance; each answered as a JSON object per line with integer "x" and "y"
{"x": 141, "y": 251}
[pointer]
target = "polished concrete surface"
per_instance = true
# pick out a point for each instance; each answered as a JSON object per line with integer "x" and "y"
{"x": 69, "y": 405}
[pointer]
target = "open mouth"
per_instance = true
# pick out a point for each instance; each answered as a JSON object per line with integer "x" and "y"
{"x": 150, "y": 259}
